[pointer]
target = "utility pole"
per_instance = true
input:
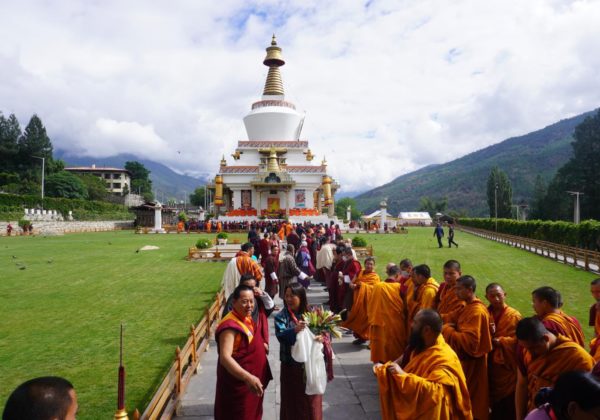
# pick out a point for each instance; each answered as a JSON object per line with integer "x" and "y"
{"x": 496, "y": 205}
{"x": 576, "y": 209}
{"x": 43, "y": 172}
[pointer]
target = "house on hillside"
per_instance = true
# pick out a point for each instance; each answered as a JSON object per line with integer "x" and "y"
{"x": 414, "y": 218}
{"x": 118, "y": 181}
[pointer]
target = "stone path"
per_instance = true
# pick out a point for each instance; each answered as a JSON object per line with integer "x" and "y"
{"x": 352, "y": 395}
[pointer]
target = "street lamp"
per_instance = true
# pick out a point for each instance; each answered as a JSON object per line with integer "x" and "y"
{"x": 43, "y": 171}
{"x": 496, "y": 205}
{"x": 576, "y": 209}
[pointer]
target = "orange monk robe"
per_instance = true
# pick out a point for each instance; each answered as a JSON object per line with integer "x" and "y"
{"x": 219, "y": 227}
{"x": 421, "y": 297}
{"x": 386, "y": 315}
{"x": 543, "y": 371}
{"x": 434, "y": 387}
{"x": 446, "y": 300}
{"x": 595, "y": 343}
{"x": 471, "y": 339}
{"x": 208, "y": 225}
{"x": 246, "y": 265}
{"x": 563, "y": 324}
{"x": 358, "y": 320}
{"x": 502, "y": 361}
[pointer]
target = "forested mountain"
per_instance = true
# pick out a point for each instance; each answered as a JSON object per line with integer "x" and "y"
{"x": 165, "y": 182}
{"x": 463, "y": 181}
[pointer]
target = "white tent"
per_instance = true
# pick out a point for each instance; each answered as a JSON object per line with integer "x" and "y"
{"x": 414, "y": 218}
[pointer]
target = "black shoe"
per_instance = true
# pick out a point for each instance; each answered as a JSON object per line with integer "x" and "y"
{"x": 359, "y": 341}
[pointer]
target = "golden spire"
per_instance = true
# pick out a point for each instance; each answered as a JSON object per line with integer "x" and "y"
{"x": 223, "y": 161}
{"x": 324, "y": 162}
{"x": 273, "y": 60}
{"x": 273, "y": 164}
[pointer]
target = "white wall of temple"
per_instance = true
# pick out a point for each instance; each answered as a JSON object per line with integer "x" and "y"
{"x": 273, "y": 123}
{"x": 293, "y": 157}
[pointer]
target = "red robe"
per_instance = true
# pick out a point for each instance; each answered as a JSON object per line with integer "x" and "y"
{"x": 351, "y": 268}
{"x": 264, "y": 246}
{"x": 233, "y": 398}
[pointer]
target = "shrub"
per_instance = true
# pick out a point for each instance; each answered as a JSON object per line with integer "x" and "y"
{"x": 203, "y": 243}
{"x": 222, "y": 235}
{"x": 23, "y": 223}
{"x": 182, "y": 217}
{"x": 357, "y": 242}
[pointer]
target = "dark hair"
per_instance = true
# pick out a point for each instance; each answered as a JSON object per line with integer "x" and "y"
{"x": 290, "y": 248}
{"x": 595, "y": 282}
{"x": 241, "y": 288}
{"x": 348, "y": 250}
{"x": 549, "y": 294}
{"x": 491, "y": 286}
{"x": 247, "y": 246}
{"x": 468, "y": 282}
{"x": 246, "y": 277}
{"x": 432, "y": 319}
{"x": 575, "y": 386}
{"x": 422, "y": 270}
{"x": 531, "y": 329}
{"x": 339, "y": 249}
{"x": 453, "y": 264}
{"x": 406, "y": 263}
{"x": 392, "y": 270}
{"x": 298, "y": 290}
{"x": 370, "y": 259}
{"x": 42, "y": 398}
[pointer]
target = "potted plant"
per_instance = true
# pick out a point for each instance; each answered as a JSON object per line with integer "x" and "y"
{"x": 203, "y": 243}
{"x": 24, "y": 225}
{"x": 222, "y": 238}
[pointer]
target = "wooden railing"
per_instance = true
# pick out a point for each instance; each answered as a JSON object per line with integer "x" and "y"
{"x": 165, "y": 400}
{"x": 577, "y": 257}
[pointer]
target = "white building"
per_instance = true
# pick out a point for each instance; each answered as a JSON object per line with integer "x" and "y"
{"x": 271, "y": 174}
{"x": 117, "y": 180}
{"x": 415, "y": 218}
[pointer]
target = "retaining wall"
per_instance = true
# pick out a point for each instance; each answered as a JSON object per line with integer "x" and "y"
{"x": 71, "y": 226}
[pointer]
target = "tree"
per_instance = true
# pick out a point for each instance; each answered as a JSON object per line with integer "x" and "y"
{"x": 35, "y": 141}
{"x": 539, "y": 194}
{"x": 65, "y": 184}
{"x": 341, "y": 206}
{"x": 433, "y": 206}
{"x": 499, "y": 191}
{"x": 140, "y": 179}
{"x": 95, "y": 187}
{"x": 197, "y": 197}
{"x": 10, "y": 131}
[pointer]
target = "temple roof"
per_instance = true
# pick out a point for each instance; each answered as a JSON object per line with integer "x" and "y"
{"x": 304, "y": 169}
{"x": 264, "y": 144}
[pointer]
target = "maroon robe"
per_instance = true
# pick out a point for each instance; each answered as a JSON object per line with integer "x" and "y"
{"x": 333, "y": 286}
{"x": 351, "y": 268}
{"x": 233, "y": 398}
{"x": 264, "y": 247}
{"x": 271, "y": 266}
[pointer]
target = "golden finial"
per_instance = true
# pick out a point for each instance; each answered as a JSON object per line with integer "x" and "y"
{"x": 273, "y": 163}
{"x": 324, "y": 162}
{"x": 223, "y": 161}
{"x": 273, "y": 60}
{"x": 309, "y": 155}
{"x": 236, "y": 155}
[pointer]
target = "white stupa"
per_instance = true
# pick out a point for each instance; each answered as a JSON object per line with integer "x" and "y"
{"x": 271, "y": 174}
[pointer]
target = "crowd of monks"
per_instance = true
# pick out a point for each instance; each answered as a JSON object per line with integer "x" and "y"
{"x": 441, "y": 352}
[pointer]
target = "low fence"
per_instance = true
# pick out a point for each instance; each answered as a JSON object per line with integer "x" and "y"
{"x": 165, "y": 400}
{"x": 577, "y": 257}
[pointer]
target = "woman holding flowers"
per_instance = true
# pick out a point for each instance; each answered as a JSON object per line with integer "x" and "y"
{"x": 295, "y": 404}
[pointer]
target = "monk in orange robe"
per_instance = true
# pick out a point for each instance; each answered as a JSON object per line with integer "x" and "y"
{"x": 386, "y": 313}
{"x": 208, "y": 226}
{"x": 406, "y": 267}
{"x": 595, "y": 320}
{"x": 541, "y": 357}
{"x": 245, "y": 264}
{"x": 468, "y": 332}
{"x": 502, "y": 361}
{"x": 362, "y": 286}
{"x": 547, "y": 302}
{"x": 423, "y": 292}
{"x": 430, "y": 384}
{"x": 446, "y": 300}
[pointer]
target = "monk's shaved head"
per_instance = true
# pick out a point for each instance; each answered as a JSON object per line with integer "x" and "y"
{"x": 548, "y": 294}
{"x": 406, "y": 263}
{"x": 492, "y": 286}
{"x": 468, "y": 282}
{"x": 531, "y": 329}
{"x": 430, "y": 318}
{"x": 452, "y": 265}
{"x": 596, "y": 282}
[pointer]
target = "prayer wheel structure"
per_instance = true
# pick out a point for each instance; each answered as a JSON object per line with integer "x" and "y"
{"x": 218, "y": 190}
{"x": 327, "y": 190}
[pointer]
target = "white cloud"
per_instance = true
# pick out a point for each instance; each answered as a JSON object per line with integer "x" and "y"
{"x": 388, "y": 86}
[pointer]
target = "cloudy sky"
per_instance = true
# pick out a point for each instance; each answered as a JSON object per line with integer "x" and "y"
{"x": 387, "y": 86}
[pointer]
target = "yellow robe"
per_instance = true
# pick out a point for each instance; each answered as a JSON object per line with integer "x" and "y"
{"x": 447, "y": 301}
{"x": 246, "y": 265}
{"x": 358, "y": 320}
{"x": 595, "y": 343}
{"x": 386, "y": 313}
{"x": 471, "y": 339}
{"x": 544, "y": 370}
{"x": 421, "y": 297}
{"x": 434, "y": 387}
{"x": 502, "y": 361}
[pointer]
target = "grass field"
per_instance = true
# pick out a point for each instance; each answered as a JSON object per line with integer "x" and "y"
{"x": 61, "y": 314}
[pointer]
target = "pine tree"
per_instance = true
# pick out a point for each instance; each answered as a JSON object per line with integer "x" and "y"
{"x": 586, "y": 165}
{"x": 499, "y": 192}
{"x": 35, "y": 141}
{"x": 10, "y": 131}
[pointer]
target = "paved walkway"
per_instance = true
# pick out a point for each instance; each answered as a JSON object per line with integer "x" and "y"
{"x": 352, "y": 395}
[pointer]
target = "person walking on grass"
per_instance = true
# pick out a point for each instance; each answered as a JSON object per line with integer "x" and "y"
{"x": 451, "y": 236}
{"x": 439, "y": 234}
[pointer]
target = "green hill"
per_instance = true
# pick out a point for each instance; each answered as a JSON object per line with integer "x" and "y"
{"x": 464, "y": 180}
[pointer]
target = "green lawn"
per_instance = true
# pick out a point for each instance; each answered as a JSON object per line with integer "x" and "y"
{"x": 61, "y": 315}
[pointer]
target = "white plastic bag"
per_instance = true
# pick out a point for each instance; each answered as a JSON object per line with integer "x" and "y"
{"x": 310, "y": 352}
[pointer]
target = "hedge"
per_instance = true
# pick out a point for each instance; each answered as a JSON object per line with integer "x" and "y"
{"x": 82, "y": 209}
{"x": 585, "y": 235}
